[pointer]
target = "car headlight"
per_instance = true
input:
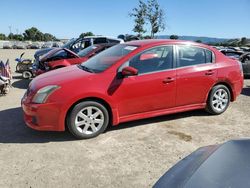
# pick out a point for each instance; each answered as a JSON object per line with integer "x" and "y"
{"x": 43, "y": 93}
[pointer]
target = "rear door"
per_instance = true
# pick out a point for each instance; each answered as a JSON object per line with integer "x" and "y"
{"x": 196, "y": 74}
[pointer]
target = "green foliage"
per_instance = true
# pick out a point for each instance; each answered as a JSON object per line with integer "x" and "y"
{"x": 174, "y": 37}
{"x": 243, "y": 41}
{"x": 139, "y": 14}
{"x": 156, "y": 17}
{"x": 86, "y": 34}
{"x": 35, "y": 35}
{"x": 148, "y": 13}
{"x": 2, "y": 36}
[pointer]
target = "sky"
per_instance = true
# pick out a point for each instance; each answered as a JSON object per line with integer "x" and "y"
{"x": 68, "y": 18}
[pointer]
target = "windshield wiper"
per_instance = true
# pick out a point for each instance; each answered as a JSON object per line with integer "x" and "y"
{"x": 87, "y": 69}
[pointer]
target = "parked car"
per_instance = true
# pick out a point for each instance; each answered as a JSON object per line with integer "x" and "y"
{"x": 79, "y": 44}
{"x": 245, "y": 59}
{"x": 131, "y": 81}
{"x": 19, "y": 45}
{"x": 24, "y": 66}
{"x": 217, "y": 166}
{"x": 50, "y": 45}
{"x": 62, "y": 57}
{"x": 232, "y": 53}
{"x": 34, "y": 45}
{"x": 7, "y": 45}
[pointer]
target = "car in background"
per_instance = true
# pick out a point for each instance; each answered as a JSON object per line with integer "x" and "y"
{"x": 19, "y": 45}
{"x": 217, "y": 166}
{"x": 245, "y": 60}
{"x": 79, "y": 44}
{"x": 131, "y": 81}
{"x": 50, "y": 45}
{"x": 34, "y": 45}
{"x": 62, "y": 57}
{"x": 232, "y": 53}
{"x": 7, "y": 45}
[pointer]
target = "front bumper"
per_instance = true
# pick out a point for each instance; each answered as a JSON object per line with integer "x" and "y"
{"x": 42, "y": 117}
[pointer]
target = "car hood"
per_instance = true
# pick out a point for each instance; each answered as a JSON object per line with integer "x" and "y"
{"x": 60, "y": 77}
{"x": 225, "y": 165}
{"x": 53, "y": 51}
{"x": 41, "y": 52}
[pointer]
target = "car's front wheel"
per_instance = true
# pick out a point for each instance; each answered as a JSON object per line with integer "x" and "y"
{"x": 219, "y": 99}
{"x": 88, "y": 119}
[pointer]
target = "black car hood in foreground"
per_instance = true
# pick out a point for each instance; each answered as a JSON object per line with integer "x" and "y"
{"x": 219, "y": 166}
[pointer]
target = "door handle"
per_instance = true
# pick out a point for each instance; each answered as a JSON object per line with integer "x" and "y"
{"x": 168, "y": 80}
{"x": 209, "y": 73}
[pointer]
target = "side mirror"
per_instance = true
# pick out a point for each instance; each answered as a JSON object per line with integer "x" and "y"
{"x": 129, "y": 71}
{"x": 144, "y": 57}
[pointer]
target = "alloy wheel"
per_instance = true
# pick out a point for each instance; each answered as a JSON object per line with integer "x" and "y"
{"x": 220, "y": 100}
{"x": 89, "y": 120}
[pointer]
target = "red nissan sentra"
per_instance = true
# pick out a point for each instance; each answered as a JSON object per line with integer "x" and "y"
{"x": 131, "y": 81}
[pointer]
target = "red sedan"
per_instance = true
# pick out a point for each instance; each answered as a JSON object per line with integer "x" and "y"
{"x": 131, "y": 81}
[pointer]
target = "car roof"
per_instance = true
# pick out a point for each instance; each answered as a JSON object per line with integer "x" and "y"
{"x": 155, "y": 42}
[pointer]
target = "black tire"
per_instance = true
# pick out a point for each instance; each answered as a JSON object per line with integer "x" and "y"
{"x": 210, "y": 108}
{"x": 73, "y": 115}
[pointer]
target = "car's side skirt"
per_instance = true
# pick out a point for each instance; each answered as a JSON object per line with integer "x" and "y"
{"x": 161, "y": 112}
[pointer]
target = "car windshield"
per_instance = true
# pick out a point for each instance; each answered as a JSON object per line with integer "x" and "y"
{"x": 107, "y": 58}
{"x": 86, "y": 51}
{"x": 68, "y": 44}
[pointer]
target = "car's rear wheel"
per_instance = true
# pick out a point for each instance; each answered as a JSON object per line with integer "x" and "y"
{"x": 88, "y": 119}
{"x": 219, "y": 100}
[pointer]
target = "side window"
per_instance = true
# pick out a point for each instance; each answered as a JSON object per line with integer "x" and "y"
{"x": 100, "y": 40}
{"x": 189, "y": 55}
{"x": 153, "y": 60}
{"x": 209, "y": 56}
{"x": 113, "y": 41}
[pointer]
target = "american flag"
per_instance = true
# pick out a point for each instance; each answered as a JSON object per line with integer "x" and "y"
{"x": 5, "y": 69}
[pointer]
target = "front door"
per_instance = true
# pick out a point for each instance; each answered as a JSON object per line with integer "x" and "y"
{"x": 154, "y": 86}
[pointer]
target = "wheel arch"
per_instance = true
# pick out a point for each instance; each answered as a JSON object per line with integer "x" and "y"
{"x": 232, "y": 97}
{"x": 95, "y": 99}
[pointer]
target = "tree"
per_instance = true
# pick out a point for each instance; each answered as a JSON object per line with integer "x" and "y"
{"x": 86, "y": 34}
{"x": 243, "y": 41}
{"x": 48, "y": 37}
{"x": 139, "y": 14}
{"x": 155, "y": 16}
{"x": 17, "y": 37}
{"x": 2, "y": 36}
{"x": 32, "y": 34}
{"x": 198, "y": 41}
{"x": 174, "y": 37}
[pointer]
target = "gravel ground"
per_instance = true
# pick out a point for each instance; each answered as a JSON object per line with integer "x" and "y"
{"x": 134, "y": 154}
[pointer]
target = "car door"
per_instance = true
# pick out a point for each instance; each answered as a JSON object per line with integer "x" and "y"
{"x": 196, "y": 74}
{"x": 154, "y": 86}
{"x": 246, "y": 64}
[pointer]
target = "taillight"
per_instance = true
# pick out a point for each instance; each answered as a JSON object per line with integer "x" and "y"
{"x": 241, "y": 69}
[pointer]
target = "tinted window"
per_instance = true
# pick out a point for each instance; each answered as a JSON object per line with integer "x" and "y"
{"x": 113, "y": 41}
{"x": 86, "y": 51}
{"x": 209, "y": 56}
{"x": 189, "y": 55}
{"x": 100, "y": 40}
{"x": 161, "y": 58}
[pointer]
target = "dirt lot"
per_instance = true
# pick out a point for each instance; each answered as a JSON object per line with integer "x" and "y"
{"x": 134, "y": 154}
